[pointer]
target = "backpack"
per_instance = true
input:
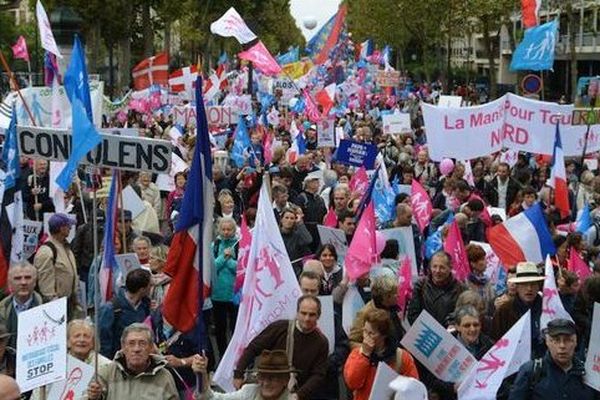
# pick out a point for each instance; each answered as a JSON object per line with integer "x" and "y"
{"x": 52, "y": 247}
{"x": 536, "y": 373}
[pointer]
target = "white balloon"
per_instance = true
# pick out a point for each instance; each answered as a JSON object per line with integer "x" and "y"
{"x": 310, "y": 22}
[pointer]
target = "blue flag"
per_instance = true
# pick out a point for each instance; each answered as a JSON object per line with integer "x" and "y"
{"x": 585, "y": 220}
{"x": 76, "y": 79}
{"x": 290, "y": 57}
{"x": 10, "y": 154}
{"x": 223, "y": 59}
{"x": 536, "y": 51}
{"x": 241, "y": 141}
{"x": 434, "y": 243}
{"x": 383, "y": 199}
{"x": 299, "y": 106}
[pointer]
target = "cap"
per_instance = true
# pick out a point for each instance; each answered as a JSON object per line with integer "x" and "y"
{"x": 560, "y": 326}
{"x": 313, "y": 175}
{"x": 59, "y": 220}
{"x": 313, "y": 127}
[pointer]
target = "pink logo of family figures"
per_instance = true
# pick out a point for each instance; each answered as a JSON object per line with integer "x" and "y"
{"x": 548, "y": 295}
{"x": 491, "y": 363}
{"x": 40, "y": 335}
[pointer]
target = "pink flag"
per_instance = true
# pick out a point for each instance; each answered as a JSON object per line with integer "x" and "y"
{"x": 359, "y": 182}
{"x": 270, "y": 289}
{"x": 331, "y": 218}
{"x": 456, "y": 248}
{"x": 577, "y": 265}
{"x": 20, "y": 49}
{"x": 312, "y": 112}
{"x": 404, "y": 282}
{"x": 362, "y": 252}
{"x": 268, "y": 146}
{"x": 552, "y": 306}
{"x": 502, "y": 360}
{"x": 262, "y": 59}
{"x": 242, "y": 259}
{"x": 421, "y": 205}
{"x": 485, "y": 214}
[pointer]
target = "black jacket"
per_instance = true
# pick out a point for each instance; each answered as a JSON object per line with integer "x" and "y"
{"x": 491, "y": 192}
{"x": 439, "y": 301}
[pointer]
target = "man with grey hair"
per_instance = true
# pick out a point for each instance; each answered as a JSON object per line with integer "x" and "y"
{"x": 135, "y": 372}
{"x": 22, "y": 277}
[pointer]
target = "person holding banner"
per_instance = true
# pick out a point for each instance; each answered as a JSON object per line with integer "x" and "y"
{"x": 557, "y": 375}
{"x": 377, "y": 346}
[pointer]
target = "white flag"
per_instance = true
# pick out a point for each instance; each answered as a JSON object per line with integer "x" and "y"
{"x": 484, "y": 379}
{"x": 232, "y": 24}
{"x": 57, "y": 113}
{"x": 18, "y": 235}
{"x": 269, "y": 293}
{"x": 552, "y": 306}
{"x": 592, "y": 361}
{"x": 46, "y": 35}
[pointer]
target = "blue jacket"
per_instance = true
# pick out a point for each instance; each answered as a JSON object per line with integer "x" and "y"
{"x": 224, "y": 271}
{"x": 114, "y": 316}
{"x": 553, "y": 382}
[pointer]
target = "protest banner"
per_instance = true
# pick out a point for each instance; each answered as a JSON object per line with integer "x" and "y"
{"x": 42, "y": 345}
{"x": 326, "y": 321}
{"x": 436, "y": 348}
{"x": 450, "y": 101}
{"x": 406, "y": 244}
{"x": 115, "y": 151}
{"x": 39, "y": 100}
{"x": 132, "y": 202}
{"x": 79, "y": 375}
{"x": 357, "y": 154}
{"x": 388, "y": 78}
{"x": 511, "y": 122}
{"x": 351, "y": 305}
{"x": 592, "y": 361}
{"x": 241, "y": 105}
{"x": 335, "y": 237}
{"x": 381, "y": 384}
{"x": 32, "y": 231}
{"x": 325, "y": 133}
{"x": 396, "y": 123}
{"x": 215, "y": 115}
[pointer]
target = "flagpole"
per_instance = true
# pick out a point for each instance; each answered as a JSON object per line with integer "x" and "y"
{"x": 122, "y": 216}
{"x": 29, "y": 70}
{"x": 98, "y": 267}
{"x": 591, "y": 115}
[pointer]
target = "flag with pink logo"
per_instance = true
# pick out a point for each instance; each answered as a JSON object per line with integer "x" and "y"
{"x": 404, "y": 282}
{"x": 261, "y": 59}
{"x": 243, "y": 253}
{"x": 19, "y": 49}
{"x": 359, "y": 182}
{"x": 455, "y": 246}
{"x": 552, "y": 306}
{"x": 269, "y": 293}
{"x": 421, "y": 205}
{"x": 577, "y": 265}
{"x": 468, "y": 175}
{"x": 312, "y": 112}
{"x": 362, "y": 252}
{"x": 330, "y": 218}
{"x": 502, "y": 360}
{"x": 231, "y": 24}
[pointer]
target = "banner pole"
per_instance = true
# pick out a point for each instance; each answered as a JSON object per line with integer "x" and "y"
{"x": 97, "y": 291}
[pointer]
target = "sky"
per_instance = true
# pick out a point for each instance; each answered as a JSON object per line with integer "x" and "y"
{"x": 322, "y": 10}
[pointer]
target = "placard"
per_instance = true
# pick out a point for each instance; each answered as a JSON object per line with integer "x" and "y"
{"x": 406, "y": 244}
{"x": 325, "y": 133}
{"x": 166, "y": 182}
{"x": 592, "y": 361}
{"x": 326, "y": 321}
{"x": 335, "y": 237}
{"x": 114, "y": 151}
{"x": 396, "y": 123}
{"x": 450, "y": 101}
{"x": 126, "y": 263}
{"x": 32, "y": 231}
{"x": 215, "y": 115}
{"x": 388, "y": 78}
{"x": 381, "y": 384}
{"x": 351, "y": 305}
{"x": 436, "y": 348}
{"x": 42, "y": 345}
{"x": 79, "y": 375}
{"x": 357, "y": 154}
{"x": 132, "y": 202}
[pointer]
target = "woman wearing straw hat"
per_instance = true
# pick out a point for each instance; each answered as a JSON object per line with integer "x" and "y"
{"x": 528, "y": 281}
{"x": 273, "y": 374}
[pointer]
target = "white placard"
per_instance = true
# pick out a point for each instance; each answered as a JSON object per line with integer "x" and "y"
{"x": 42, "y": 345}
{"x": 396, "y": 123}
{"x": 79, "y": 375}
{"x": 325, "y": 133}
{"x": 381, "y": 384}
{"x": 335, "y": 237}
{"x": 166, "y": 182}
{"x": 132, "y": 202}
{"x": 406, "y": 243}
{"x": 436, "y": 348}
{"x": 326, "y": 321}
{"x": 351, "y": 305}
{"x": 498, "y": 211}
{"x": 450, "y": 101}
{"x": 32, "y": 230}
{"x": 127, "y": 263}
{"x": 71, "y": 232}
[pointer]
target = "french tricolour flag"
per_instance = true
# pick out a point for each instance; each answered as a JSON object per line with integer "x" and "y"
{"x": 558, "y": 178}
{"x": 524, "y": 237}
{"x": 188, "y": 260}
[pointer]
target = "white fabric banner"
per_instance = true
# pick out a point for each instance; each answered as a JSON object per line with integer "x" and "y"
{"x": 232, "y": 24}
{"x": 592, "y": 361}
{"x": 552, "y": 306}
{"x": 269, "y": 293}
{"x": 513, "y": 122}
{"x": 46, "y": 35}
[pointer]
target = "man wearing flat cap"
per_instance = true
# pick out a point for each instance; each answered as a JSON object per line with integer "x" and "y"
{"x": 557, "y": 375}
{"x": 528, "y": 281}
{"x": 56, "y": 265}
{"x": 273, "y": 374}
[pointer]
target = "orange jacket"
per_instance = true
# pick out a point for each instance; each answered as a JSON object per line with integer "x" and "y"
{"x": 359, "y": 374}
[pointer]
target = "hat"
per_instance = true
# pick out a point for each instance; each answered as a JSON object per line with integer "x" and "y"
{"x": 4, "y": 333}
{"x": 313, "y": 127}
{"x": 407, "y": 388}
{"x": 560, "y": 326}
{"x": 59, "y": 220}
{"x": 273, "y": 362}
{"x": 313, "y": 175}
{"x": 527, "y": 272}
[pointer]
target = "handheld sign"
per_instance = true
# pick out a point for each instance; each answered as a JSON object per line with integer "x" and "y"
{"x": 357, "y": 154}
{"x": 396, "y": 123}
{"x": 79, "y": 375}
{"x": 42, "y": 345}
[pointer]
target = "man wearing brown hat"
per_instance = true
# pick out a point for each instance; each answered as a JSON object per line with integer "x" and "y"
{"x": 528, "y": 281}
{"x": 557, "y": 375}
{"x": 273, "y": 374}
